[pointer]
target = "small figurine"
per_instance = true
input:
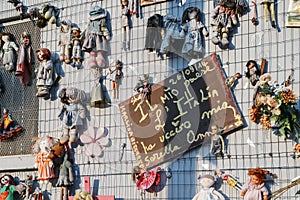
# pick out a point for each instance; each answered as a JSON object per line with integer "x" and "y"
{"x": 25, "y": 60}
{"x": 72, "y": 113}
{"x": 269, "y": 10}
{"x": 116, "y": 77}
{"x": 76, "y": 45}
{"x": 193, "y": 30}
{"x": 208, "y": 192}
{"x": 96, "y": 37}
{"x": 9, "y": 128}
{"x": 9, "y": 52}
{"x": 44, "y": 73}
{"x": 255, "y": 188}
{"x": 217, "y": 145}
{"x": 231, "y": 81}
{"x": 126, "y": 24}
{"x": 8, "y": 189}
{"x": 65, "y": 42}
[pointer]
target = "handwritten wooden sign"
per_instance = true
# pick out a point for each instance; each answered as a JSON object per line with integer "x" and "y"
{"x": 179, "y": 113}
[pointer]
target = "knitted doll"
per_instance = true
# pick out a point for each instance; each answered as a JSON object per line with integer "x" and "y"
{"x": 72, "y": 113}
{"x": 8, "y": 189}
{"x": 116, "y": 77}
{"x": 269, "y": 10}
{"x": 65, "y": 42}
{"x": 9, "y": 128}
{"x": 25, "y": 60}
{"x": 126, "y": 24}
{"x": 96, "y": 37}
{"x": 255, "y": 188}
{"x": 76, "y": 45}
{"x": 9, "y": 52}
{"x": 193, "y": 30}
{"x": 44, "y": 73}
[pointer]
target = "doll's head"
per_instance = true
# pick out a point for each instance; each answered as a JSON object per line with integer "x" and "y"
{"x": 7, "y": 179}
{"x": 76, "y": 32}
{"x": 214, "y": 129}
{"x": 65, "y": 26}
{"x": 26, "y": 38}
{"x": 119, "y": 64}
{"x": 207, "y": 181}
{"x": 257, "y": 175}
{"x": 252, "y": 68}
{"x": 6, "y": 37}
{"x": 43, "y": 54}
{"x": 124, "y": 3}
{"x": 191, "y": 13}
{"x": 43, "y": 144}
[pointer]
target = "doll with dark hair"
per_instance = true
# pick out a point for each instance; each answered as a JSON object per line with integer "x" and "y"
{"x": 253, "y": 72}
{"x": 255, "y": 188}
{"x": 8, "y": 190}
{"x": 9, "y": 52}
{"x": 269, "y": 10}
{"x": 193, "y": 30}
{"x": 126, "y": 24}
{"x": 76, "y": 47}
{"x": 44, "y": 73}
{"x": 217, "y": 145}
{"x": 116, "y": 77}
{"x": 25, "y": 60}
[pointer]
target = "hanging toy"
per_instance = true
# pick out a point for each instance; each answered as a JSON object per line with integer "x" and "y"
{"x": 76, "y": 48}
{"x": 116, "y": 75}
{"x": 269, "y": 11}
{"x": 9, "y": 52}
{"x": 126, "y": 24}
{"x": 9, "y": 129}
{"x": 8, "y": 187}
{"x": 19, "y": 7}
{"x": 65, "y": 42}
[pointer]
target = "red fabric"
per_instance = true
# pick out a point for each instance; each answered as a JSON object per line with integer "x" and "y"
{"x": 3, "y": 195}
{"x": 147, "y": 179}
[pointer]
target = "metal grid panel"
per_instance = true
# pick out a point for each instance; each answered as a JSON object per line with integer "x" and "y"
{"x": 20, "y": 100}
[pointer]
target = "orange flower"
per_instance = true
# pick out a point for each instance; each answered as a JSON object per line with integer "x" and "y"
{"x": 288, "y": 96}
{"x": 265, "y": 121}
{"x": 253, "y": 114}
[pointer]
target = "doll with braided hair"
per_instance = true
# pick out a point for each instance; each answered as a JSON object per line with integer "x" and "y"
{"x": 255, "y": 188}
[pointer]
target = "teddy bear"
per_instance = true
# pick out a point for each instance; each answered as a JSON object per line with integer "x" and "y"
{"x": 208, "y": 192}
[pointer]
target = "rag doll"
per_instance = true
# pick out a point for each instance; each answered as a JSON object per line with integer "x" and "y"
{"x": 193, "y": 30}
{"x": 269, "y": 10}
{"x": 96, "y": 38}
{"x": 255, "y": 188}
{"x": 126, "y": 24}
{"x": 208, "y": 192}
{"x": 65, "y": 42}
{"x": 116, "y": 78}
{"x": 25, "y": 60}
{"x": 76, "y": 45}
{"x": 72, "y": 113}
{"x": 9, "y": 52}
{"x": 44, "y": 73}
{"x": 9, "y": 128}
{"x": 8, "y": 189}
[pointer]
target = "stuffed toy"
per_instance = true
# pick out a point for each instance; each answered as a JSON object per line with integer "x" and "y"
{"x": 208, "y": 191}
{"x": 96, "y": 38}
{"x": 269, "y": 10}
{"x": 116, "y": 75}
{"x": 9, "y": 128}
{"x": 47, "y": 13}
{"x": 82, "y": 195}
{"x": 44, "y": 73}
{"x": 193, "y": 31}
{"x": 25, "y": 60}
{"x": 255, "y": 188}
{"x": 65, "y": 42}
{"x": 76, "y": 48}
{"x": 72, "y": 113}
{"x": 9, "y": 52}
{"x": 8, "y": 189}
{"x": 126, "y": 24}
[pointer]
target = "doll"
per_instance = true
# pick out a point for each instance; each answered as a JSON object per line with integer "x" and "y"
{"x": 208, "y": 192}
{"x": 154, "y": 33}
{"x": 19, "y": 7}
{"x": 193, "y": 30}
{"x": 126, "y": 24}
{"x": 253, "y": 72}
{"x": 72, "y": 113}
{"x": 231, "y": 81}
{"x": 9, "y": 52}
{"x": 76, "y": 45}
{"x": 231, "y": 180}
{"x": 255, "y": 188}
{"x": 44, "y": 73}
{"x": 8, "y": 127}
{"x": 116, "y": 77}
{"x": 50, "y": 13}
{"x": 269, "y": 9}
{"x": 217, "y": 145}
{"x": 96, "y": 37}
{"x": 25, "y": 60}
{"x": 65, "y": 42}
{"x": 8, "y": 189}
{"x": 99, "y": 93}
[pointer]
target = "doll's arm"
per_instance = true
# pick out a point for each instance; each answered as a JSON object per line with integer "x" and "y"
{"x": 218, "y": 194}
{"x": 215, "y": 12}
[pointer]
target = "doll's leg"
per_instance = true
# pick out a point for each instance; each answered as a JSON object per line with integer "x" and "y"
{"x": 215, "y": 35}
{"x": 266, "y": 11}
{"x": 91, "y": 62}
{"x": 73, "y": 135}
{"x": 224, "y": 40}
{"x": 100, "y": 59}
{"x": 68, "y": 51}
{"x": 128, "y": 32}
{"x": 62, "y": 53}
{"x": 65, "y": 137}
{"x": 124, "y": 38}
{"x": 272, "y": 10}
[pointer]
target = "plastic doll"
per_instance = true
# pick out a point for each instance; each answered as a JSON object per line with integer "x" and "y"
{"x": 217, "y": 145}
{"x": 96, "y": 37}
{"x": 253, "y": 72}
{"x": 25, "y": 60}
{"x": 269, "y": 9}
{"x": 9, "y": 52}
{"x": 8, "y": 127}
{"x": 72, "y": 113}
{"x": 44, "y": 73}
{"x": 231, "y": 81}
{"x": 193, "y": 30}
{"x": 208, "y": 192}
{"x": 8, "y": 189}
{"x": 76, "y": 45}
{"x": 146, "y": 91}
{"x": 230, "y": 180}
{"x": 65, "y": 42}
{"x": 116, "y": 77}
{"x": 126, "y": 24}
{"x": 255, "y": 189}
